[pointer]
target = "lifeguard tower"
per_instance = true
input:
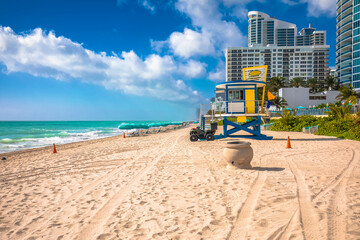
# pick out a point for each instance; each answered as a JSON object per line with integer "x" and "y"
{"x": 239, "y": 101}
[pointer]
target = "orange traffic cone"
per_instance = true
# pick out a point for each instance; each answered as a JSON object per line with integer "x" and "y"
{"x": 288, "y": 145}
{"x": 54, "y": 148}
{"x": 123, "y": 135}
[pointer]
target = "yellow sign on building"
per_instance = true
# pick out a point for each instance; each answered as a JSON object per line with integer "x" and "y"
{"x": 257, "y": 73}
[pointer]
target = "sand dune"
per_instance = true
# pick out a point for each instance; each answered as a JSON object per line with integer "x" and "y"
{"x": 163, "y": 186}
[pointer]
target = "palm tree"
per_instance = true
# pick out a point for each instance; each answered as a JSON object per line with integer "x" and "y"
{"x": 287, "y": 117}
{"x": 330, "y": 82}
{"x": 275, "y": 83}
{"x": 346, "y": 92}
{"x": 342, "y": 112}
{"x": 297, "y": 82}
{"x": 357, "y": 117}
{"x": 313, "y": 84}
{"x": 337, "y": 84}
{"x": 279, "y": 102}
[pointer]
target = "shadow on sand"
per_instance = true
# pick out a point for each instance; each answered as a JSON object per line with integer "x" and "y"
{"x": 271, "y": 169}
{"x": 308, "y": 139}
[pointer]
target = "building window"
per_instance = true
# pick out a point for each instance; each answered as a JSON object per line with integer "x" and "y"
{"x": 235, "y": 95}
{"x": 317, "y": 97}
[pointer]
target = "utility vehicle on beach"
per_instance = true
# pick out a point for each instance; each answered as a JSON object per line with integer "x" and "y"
{"x": 197, "y": 133}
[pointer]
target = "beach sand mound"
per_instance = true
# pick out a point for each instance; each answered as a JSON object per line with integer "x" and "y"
{"x": 165, "y": 187}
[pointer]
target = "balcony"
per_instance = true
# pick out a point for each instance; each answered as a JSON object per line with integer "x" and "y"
{"x": 348, "y": 44}
{"x": 345, "y": 59}
{"x": 342, "y": 4}
{"x": 346, "y": 31}
{"x": 345, "y": 38}
{"x": 347, "y": 66}
{"x": 346, "y": 9}
{"x": 345, "y": 24}
{"x": 343, "y": 18}
{"x": 346, "y": 52}
{"x": 345, "y": 74}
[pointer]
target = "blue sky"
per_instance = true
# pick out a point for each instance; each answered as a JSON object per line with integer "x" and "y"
{"x": 127, "y": 59}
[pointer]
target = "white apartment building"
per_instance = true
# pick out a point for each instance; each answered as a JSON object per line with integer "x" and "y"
{"x": 275, "y": 43}
{"x": 289, "y": 62}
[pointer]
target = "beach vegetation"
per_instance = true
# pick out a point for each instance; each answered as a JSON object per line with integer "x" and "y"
{"x": 341, "y": 112}
{"x": 313, "y": 84}
{"x": 289, "y": 122}
{"x": 339, "y": 122}
{"x": 231, "y": 119}
{"x": 275, "y": 83}
{"x": 297, "y": 82}
{"x": 356, "y": 118}
{"x": 347, "y": 92}
{"x": 279, "y": 102}
{"x": 331, "y": 83}
{"x": 321, "y": 106}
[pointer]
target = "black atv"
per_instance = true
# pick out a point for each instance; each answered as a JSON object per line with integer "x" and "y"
{"x": 197, "y": 133}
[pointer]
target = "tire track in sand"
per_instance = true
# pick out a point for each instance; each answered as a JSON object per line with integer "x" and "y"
{"x": 284, "y": 232}
{"x": 96, "y": 226}
{"x": 51, "y": 213}
{"x": 337, "y": 218}
{"x": 308, "y": 216}
{"x": 241, "y": 225}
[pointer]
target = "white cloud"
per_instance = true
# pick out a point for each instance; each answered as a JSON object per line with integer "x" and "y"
{"x": 145, "y": 3}
{"x": 316, "y": 8}
{"x": 191, "y": 43}
{"x": 193, "y": 69}
{"x": 148, "y": 5}
{"x": 158, "y": 46}
{"x": 205, "y": 14}
{"x": 211, "y": 34}
{"x": 218, "y": 75}
{"x": 321, "y": 7}
{"x": 240, "y": 12}
{"x": 230, "y": 3}
{"x": 45, "y": 55}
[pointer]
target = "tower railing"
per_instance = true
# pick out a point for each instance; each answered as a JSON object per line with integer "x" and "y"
{"x": 226, "y": 108}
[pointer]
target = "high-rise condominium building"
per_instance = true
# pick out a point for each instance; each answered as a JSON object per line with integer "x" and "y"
{"x": 348, "y": 42}
{"x": 275, "y": 43}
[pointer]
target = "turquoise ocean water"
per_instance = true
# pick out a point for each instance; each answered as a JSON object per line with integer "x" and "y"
{"x": 19, "y": 135}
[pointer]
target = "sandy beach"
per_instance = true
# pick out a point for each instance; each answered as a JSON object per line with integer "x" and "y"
{"x": 162, "y": 186}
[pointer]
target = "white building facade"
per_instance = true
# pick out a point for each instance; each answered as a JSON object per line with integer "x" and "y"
{"x": 296, "y": 97}
{"x": 275, "y": 43}
{"x": 289, "y": 62}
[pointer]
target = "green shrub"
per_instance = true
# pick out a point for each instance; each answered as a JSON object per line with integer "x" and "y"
{"x": 339, "y": 123}
{"x": 340, "y": 128}
{"x": 294, "y": 123}
{"x": 320, "y": 106}
{"x": 231, "y": 119}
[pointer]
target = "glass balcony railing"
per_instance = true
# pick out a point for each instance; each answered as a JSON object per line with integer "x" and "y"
{"x": 345, "y": 38}
{"x": 346, "y": 9}
{"x": 345, "y": 74}
{"x": 346, "y": 52}
{"x": 347, "y": 30}
{"x": 348, "y": 44}
{"x": 342, "y": 18}
{"x": 345, "y": 24}
{"x": 345, "y": 67}
{"x": 345, "y": 3}
{"x": 346, "y": 59}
